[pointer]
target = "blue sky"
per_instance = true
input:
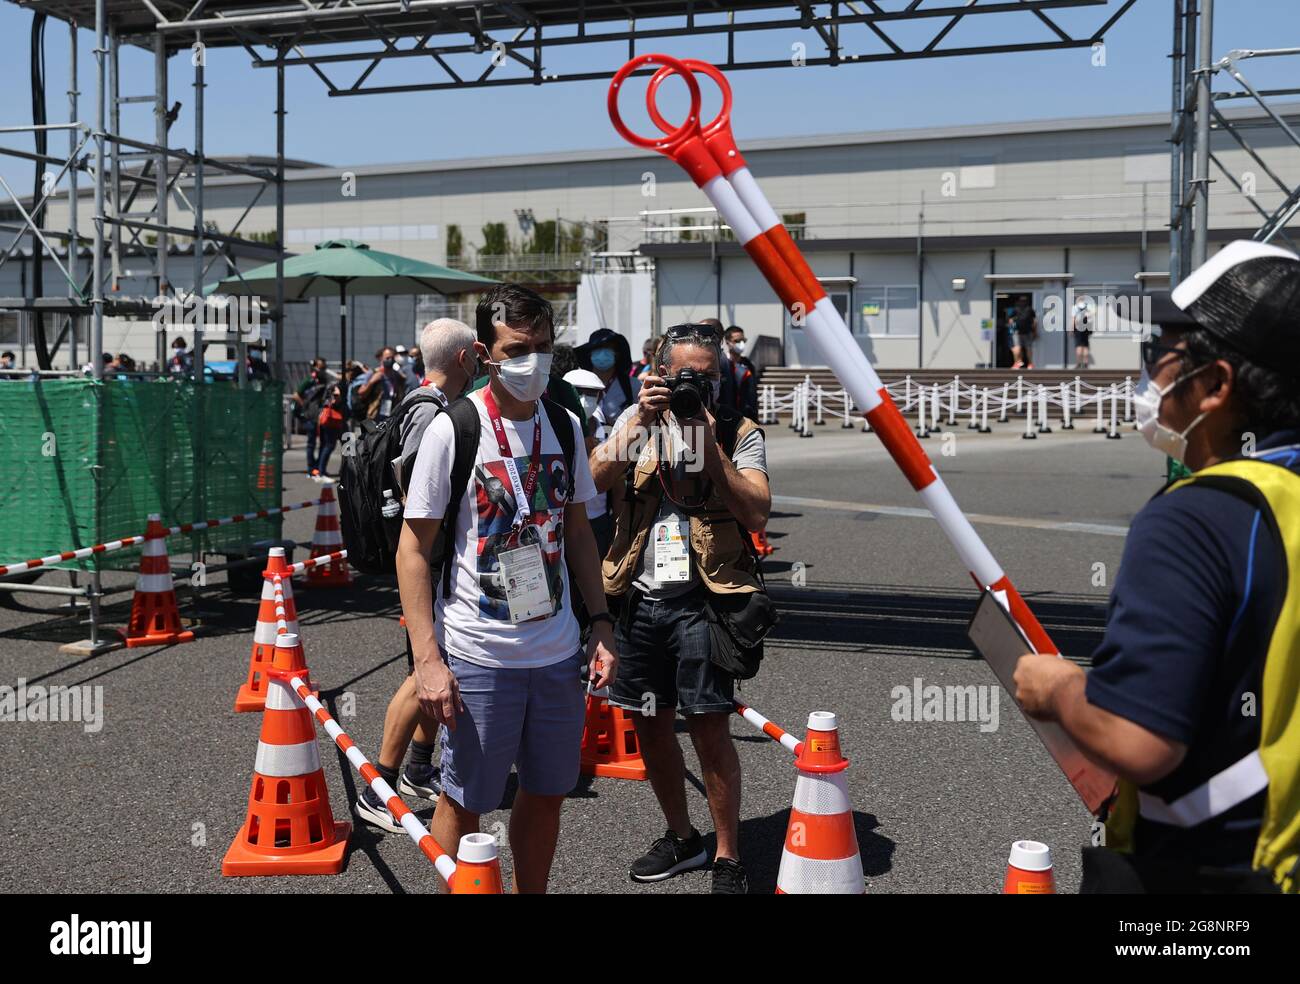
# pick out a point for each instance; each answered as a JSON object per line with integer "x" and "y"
{"x": 776, "y": 102}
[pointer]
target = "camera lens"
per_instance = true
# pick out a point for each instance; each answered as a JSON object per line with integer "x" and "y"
{"x": 686, "y": 400}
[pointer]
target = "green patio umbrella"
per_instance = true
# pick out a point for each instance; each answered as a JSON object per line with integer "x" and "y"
{"x": 344, "y": 265}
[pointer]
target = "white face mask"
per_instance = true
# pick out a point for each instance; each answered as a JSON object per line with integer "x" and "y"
{"x": 1146, "y": 410}
{"x": 525, "y": 376}
{"x": 589, "y": 403}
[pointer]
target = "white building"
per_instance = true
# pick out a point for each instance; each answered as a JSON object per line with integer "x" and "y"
{"x": 921, "y": 237}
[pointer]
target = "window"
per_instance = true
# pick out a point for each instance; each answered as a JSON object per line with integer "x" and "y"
{"x": 978, "y": 172}
{"x": 889, "y": 310}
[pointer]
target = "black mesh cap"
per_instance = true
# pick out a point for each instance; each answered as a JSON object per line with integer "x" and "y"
{"x": 1248, "y": 296}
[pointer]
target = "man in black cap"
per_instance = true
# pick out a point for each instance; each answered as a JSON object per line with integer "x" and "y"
{"x": 1194, "y": 696}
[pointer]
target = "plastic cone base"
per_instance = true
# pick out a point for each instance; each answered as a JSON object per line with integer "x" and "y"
{"x": 241, "y": 860}
{"x": 609, "y": 744}
{"x": 155, "y": 621}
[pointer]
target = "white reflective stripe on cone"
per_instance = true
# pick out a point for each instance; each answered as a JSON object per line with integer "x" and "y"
{"x": 268, "y": 589}
{"x": 283, "y": 761}
{"x": 327, "y": 538}
{"x": 153, "y": 583}
{"x": 154, "y": 548}
{"x": 822, "y": 794}
{"x": 282, "y": 698}
{"x": 809, "y": 876}
{"x": 330, "y": 508}
{"x": 267, "y": 632}
{"x": 1235, "y": 784}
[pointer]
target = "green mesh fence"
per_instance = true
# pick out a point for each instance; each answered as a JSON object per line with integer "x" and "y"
{"x": 83, "y": 462}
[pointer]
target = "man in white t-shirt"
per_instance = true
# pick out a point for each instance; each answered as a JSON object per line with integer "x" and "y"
{"x": 500, "y": 663}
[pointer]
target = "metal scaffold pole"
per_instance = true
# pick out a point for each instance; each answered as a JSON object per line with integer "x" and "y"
{"x": 162, "y": 168}
{"x": 1204, "y": 113}
{"x": 97, "y": 261}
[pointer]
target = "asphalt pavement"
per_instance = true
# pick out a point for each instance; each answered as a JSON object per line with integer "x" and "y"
{"x": 873, "y": 599}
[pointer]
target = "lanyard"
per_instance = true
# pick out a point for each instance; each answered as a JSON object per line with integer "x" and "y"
{"x": 523, "y": 490}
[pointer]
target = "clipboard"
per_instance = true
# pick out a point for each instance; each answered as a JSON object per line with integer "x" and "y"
{"x": 1001, "y": 642}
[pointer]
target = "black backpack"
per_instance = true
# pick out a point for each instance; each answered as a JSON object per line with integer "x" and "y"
{"x": 366, "y": 472}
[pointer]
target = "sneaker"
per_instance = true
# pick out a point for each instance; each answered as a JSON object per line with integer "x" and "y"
{"x": 426, "y": 785}
{"x": 370, "y": 808}
{"x": 729, "y": 877}
{"x": 670, "y": 855}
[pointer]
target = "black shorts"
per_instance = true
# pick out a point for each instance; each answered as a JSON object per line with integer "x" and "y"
{"x": 663, "y": 650}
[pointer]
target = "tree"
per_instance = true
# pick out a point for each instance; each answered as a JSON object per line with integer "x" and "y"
{"x": 455, "y": 242}
{"x": 496, "y": 242}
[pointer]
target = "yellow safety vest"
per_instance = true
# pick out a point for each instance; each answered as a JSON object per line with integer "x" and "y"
{"x": 1275, "y": 765}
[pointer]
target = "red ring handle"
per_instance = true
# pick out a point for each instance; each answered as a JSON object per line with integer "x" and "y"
{"x": 687, "y": 129}
{"x": 722, "y": 120}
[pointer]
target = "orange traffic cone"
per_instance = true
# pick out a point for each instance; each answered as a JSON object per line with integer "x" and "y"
{"x": 821, "y": 848}
{"x": 478, "y": 870}
{"x": 327, "y": 539}
{"x": 1029, "y": 870}
{"x": 266, "y": 465}
{"x": 155, "y": 619}
{"x": 290, "y": 828}
{"x": 252, "y": 695}
{"x": 609, "y": 745}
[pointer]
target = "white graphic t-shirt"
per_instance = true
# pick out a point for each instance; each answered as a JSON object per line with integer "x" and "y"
{"x": 473, "y": 622}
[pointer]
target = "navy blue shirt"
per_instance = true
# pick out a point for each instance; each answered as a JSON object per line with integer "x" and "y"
{"x": 1187, "y": 631}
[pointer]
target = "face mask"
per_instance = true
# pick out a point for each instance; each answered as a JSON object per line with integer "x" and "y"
{"x": 589, "y": 403}
{"x": 525, "y": 376}
{"x": 1146, "y": 410}
{"x": 602, "y": 360}
{"x": 737, "y": 347}
{"x": 389, "y": 363}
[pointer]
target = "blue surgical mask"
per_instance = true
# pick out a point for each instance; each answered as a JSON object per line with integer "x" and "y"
{"x": 603, "y": 360}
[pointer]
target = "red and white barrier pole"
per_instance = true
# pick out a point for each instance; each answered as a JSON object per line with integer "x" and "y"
{"x": 323, "y": 559}
{"x": 774, "y": 732}
{"x": 130, "y": 541}
{"x": 401, "y": 812}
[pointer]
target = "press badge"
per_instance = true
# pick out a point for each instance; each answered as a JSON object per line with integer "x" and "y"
{"x": 528, "y": 592}
{"x": 672, "y": 552}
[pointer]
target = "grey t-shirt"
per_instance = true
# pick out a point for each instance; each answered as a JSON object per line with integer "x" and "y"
{"x": 415, "y": 423}
{"x": 750, "y": 452}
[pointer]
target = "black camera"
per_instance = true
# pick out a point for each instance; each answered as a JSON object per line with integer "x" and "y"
{"x": 692, "y": 391}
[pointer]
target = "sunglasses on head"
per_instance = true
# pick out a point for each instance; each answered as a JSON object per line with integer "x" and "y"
{"x": 693, "y": 331}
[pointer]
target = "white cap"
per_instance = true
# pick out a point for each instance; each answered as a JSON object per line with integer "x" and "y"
{"x": 400, "y": 349}
{"x": 584, "y": 379}
{"x": 1030, "y": 856}
{"x": 477, "y": 849}
{"x": 822, "y": 721}
{"x": 286, "y": 640}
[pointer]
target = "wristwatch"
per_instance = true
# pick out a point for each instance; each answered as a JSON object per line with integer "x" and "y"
{"x": 601, "y": 617}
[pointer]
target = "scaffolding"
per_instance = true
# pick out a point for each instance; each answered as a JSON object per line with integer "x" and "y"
{"x": 1196, "y": 116}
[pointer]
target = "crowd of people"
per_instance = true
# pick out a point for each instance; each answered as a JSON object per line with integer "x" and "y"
{"x": 564, "y": 534}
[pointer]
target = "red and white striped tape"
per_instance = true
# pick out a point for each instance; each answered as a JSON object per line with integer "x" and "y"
{"x": 82, "y": 553}
{"x": 306, "y": 565}
{"x": 401, "y": 812}
{"x": 773, "y": 731}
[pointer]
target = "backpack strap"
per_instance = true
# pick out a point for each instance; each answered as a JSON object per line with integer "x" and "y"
{"x": 563, "y": 427}
{"x": 728, "y": 427}
{"x": 465, "y": 429}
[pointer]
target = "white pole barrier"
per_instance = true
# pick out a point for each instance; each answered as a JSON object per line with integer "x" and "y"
{"x": 1020, "y": 393}
{"x": 807, "y": 408}
{"x": 1114, "y": 413}
{"x": 1066, "y": 424}
{"x": 952, "y": 407}
{"x": 1029, "y": 434}
{"x": 974, "y": 408}
{"x": 1099, "y": 396}
{"x": 1128, "y": 399}
{"x": 821, "y": 419}
{"x": 907, "y": 390}
{"x": 848, "y": 409}
{"x": 921, "y": 429}
{"x": 1043, "y": 427}
{"x": 935, "y": 409}
{"x": 984, "y": 419}
{"x": 1002, "y": 415}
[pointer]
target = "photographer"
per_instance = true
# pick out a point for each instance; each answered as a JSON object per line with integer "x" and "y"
{"x": 695, "y": 475}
